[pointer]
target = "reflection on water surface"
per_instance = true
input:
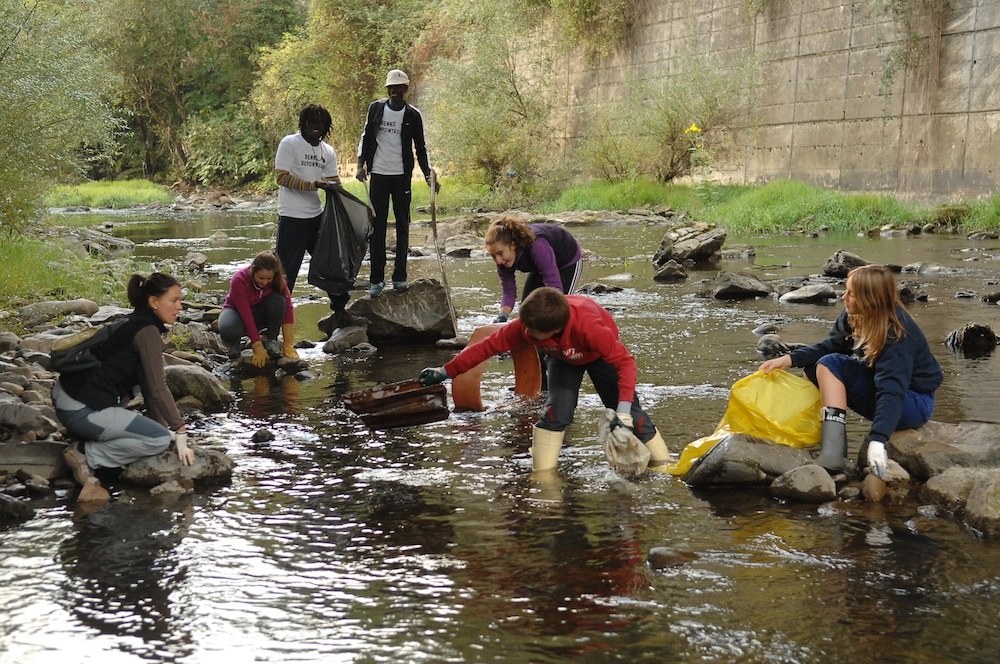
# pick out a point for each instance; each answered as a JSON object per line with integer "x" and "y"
{"x": 337, "y": 543}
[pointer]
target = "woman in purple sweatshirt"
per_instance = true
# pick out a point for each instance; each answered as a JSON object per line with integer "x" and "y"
{"x": 548, "y": 253}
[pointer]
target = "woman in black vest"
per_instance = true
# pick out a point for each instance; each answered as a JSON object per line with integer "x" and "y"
{"x": 91, "y": 404}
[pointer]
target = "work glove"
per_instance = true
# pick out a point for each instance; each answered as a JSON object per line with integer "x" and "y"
{"x": 185, "y": 453}
{"x": 878, "y": 461}
{"x": 362, "y": 174}
{"x": 502, "y": 318}
{"x": 623, "y": 416}
{"x": 259, "y": 358}
{"x": 288, "y": 341}
{"x": 433, "y": 376}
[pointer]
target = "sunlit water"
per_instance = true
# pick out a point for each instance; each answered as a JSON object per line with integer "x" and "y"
{"x": 433, "y": 544}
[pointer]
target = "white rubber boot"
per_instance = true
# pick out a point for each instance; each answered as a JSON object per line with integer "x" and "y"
{"x": 545, "y": 446}
{"x": 658, "y": 453}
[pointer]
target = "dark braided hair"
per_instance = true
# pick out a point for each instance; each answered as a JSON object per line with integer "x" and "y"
{"x": 316, "y": 114}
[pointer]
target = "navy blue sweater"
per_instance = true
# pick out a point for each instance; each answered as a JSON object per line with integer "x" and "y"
{"x": 903, "y": 365}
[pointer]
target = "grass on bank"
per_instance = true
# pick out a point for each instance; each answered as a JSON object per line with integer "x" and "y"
{"x": 38, "y": 269}
{"x": 116, "y": 194}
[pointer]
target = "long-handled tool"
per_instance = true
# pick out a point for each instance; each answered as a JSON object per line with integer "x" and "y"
{"x": 437, "y": 250}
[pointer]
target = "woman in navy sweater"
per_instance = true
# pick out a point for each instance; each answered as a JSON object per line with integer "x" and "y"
{"x": 875, "y": 361}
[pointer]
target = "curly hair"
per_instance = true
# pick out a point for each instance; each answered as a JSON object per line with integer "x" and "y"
{"x": 510, "y": 230}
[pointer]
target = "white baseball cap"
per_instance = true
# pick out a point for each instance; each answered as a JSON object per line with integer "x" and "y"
{"x": 397, "y": 77}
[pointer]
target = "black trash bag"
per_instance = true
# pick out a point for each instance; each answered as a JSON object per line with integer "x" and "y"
{"x": 341, "y": 244}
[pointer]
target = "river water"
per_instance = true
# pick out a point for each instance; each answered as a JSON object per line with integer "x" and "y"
{"x": 335, "y": 543}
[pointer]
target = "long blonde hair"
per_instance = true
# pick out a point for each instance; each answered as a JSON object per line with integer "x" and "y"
{"x": 876, "y": 299}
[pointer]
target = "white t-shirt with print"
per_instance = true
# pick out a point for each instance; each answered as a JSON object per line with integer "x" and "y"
{"x": 388, "y": 158}
{"x": 306, "y": 162}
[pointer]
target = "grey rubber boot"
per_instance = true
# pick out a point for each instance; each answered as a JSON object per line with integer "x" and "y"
{"x": 833, "y": 448}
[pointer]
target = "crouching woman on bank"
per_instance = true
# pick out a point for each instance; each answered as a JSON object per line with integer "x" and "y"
{"x": 91, "y": 404}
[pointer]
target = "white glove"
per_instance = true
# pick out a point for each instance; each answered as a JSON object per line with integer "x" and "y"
{"x": 877, "y": 459}
{"x": 185, "y": 453}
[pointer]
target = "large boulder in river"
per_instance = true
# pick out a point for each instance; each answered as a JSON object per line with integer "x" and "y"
{"x": 742, "y": 459}
{"x": 971, "y": 494}
{"x": 841, "y": 263}
{"x": 735, "y": 286}
{"x": 209, "y": 465}
{"x": 420, "y": 313}
{"x": 696, "y": 243}
{"x": 935, "y": 447}
{"x": 810, "y": 294}
{"x": 189, "y": 380}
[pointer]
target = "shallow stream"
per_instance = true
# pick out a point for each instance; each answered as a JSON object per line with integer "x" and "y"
{"x": 336, "y": 543}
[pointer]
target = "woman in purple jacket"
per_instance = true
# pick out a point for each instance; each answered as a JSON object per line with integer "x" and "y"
{"x": 548, "y": 253}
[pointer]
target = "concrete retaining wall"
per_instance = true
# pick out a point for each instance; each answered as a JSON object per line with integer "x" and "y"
{"x": 824, "y": 113}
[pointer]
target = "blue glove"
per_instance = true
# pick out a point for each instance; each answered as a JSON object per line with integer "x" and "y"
{"x": 502, "y": 318}
{"x": 433, "y": 376}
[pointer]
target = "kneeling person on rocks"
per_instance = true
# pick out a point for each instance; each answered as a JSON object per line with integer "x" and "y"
{"x": 875, "y": 361}
{"x": 578, "y": 336}
{"x": 91, "y": 404}
{"x": 258, "y": 305}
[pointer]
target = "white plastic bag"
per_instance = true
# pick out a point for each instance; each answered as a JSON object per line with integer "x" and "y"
{"x": 626, "y": 453}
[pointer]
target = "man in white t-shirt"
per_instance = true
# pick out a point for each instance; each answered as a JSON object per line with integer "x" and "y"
{"x": 304, "y": 164}
{"x": 394, "y": 129}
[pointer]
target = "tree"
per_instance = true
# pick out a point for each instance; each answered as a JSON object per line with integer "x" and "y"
{"x": 54, "y": 89}
{"x": 493, "y": 95}
{"x": 178, "y": 59}
{"x": 339, "y": 59}
{"x": 662, "y": 126}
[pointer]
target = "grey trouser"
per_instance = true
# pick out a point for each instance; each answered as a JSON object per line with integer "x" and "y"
{"x": 267, "y": 316}
{"x": 115, "y": 436}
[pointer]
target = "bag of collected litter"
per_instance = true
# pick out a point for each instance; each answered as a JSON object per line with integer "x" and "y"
{"x": 341, "y": 243}
{"x": 626, "y": 453}
{"x": 76, "y": 352}
{"x": 778, "y": 406}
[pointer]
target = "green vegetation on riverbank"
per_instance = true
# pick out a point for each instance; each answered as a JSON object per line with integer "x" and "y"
{"x": 38, "y": 269}
{"x": 116, "y": 194}
{"x": 777, "y": 207}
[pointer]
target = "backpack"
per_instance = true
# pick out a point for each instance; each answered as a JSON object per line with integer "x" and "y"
{"x": 75, "y": 352}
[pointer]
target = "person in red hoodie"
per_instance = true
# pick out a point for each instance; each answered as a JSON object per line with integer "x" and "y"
{"x": 258, "y": 306}
{"x": 579, "y": 336}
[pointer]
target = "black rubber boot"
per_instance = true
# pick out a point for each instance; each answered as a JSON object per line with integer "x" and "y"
{"x": 833, "y": 448}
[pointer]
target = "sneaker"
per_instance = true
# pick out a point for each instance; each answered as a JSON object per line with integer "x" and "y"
{"x": 400, "y": 286}
{"x": 77, "y": 462}
{"x": 376, "y": 289}
{"x": 272, "y": 347}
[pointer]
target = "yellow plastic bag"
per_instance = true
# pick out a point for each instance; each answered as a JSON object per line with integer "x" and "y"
{"x": 778, "y": 406}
